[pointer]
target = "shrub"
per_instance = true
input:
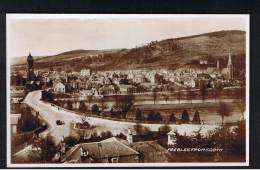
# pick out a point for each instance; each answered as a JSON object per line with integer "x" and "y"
{"x": 95, "y": 109}
{"x": 196, "y": 118}
{"x": 70, "y": 140}
{"x": 173, "y": 118}
{"x": 164, "y": 129}
{"x": 185, "y": 117}
{"x": 138, "y": 115}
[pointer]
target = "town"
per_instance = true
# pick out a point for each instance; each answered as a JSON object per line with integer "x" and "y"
{"x": 120, "y": 116}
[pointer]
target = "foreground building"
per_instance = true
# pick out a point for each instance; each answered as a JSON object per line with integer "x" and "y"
{"x": 101, "y": 152}
{"x": 116, "y": 150}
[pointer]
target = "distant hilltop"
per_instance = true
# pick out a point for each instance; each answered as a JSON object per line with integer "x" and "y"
{"x": 168, "y": 53}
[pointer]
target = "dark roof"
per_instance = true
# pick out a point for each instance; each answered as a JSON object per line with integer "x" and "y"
{"x": 151, "y": 151}
{"x": 98, "y": 150}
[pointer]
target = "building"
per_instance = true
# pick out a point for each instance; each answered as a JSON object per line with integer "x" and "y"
{"x": 151, "y": 152}
{"x": 107, "y": 90}
{"x": 228, "y": 71}
{"x": 108, "y": 151}
{"x": 85, "y": 72}
{"x": 59, "y": 88}
{"x": 17, "y": 94}
{"x": 229, "y": 67}
{"x": 14, "y": 122}
{"x": 139, "y": 78}
{"x": 30, "y": 68}
{"x": 127, "y": 89}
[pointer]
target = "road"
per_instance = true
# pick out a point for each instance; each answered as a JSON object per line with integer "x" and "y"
{"x": 50, "y": 114}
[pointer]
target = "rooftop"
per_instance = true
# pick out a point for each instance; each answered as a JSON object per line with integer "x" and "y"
{"x": 102, "y": 149}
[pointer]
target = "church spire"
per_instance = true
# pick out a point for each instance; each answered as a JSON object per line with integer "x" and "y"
{"x": 229, "y": 59}
{"x": 230, "y": 66}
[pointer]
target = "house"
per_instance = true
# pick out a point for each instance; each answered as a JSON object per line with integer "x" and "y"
{"x": 152, "y": 152}
{"x": 59, "y": 88}
{"x": 127, "y": 89}
{"x": 149, "y": 151}
{"x": 139, "y": 78}
{"x": 14, "y": 122}
{"x": 85, "y": 72}
{"x": 189, "y": 130}
{"x": 110, "y": 151}
{"x": 107, "y": 90}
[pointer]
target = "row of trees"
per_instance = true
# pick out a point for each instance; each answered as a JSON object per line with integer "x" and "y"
{"x": 156, "y": 117}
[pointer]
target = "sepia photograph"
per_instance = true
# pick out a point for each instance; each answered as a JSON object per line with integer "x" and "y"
{"x": 115, "y": 90}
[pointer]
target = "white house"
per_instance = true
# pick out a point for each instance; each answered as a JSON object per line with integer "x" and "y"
{"x": 59, "y": 88}
{"x": 85, "y": 72}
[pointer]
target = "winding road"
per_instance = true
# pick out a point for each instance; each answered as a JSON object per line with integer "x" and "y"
{"x": 50, "y": 114}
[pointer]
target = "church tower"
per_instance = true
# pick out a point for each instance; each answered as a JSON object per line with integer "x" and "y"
{"x": 30, "y": 71}
{"x": 230, "y": 67}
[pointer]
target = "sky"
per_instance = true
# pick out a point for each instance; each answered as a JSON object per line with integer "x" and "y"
{"x": 43, "y": 34}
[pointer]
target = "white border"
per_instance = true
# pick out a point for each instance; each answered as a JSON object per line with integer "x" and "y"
{"x": 111, "y": 16}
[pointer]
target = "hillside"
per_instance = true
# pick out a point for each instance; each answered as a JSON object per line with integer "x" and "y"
{"x": 169, "y": 53}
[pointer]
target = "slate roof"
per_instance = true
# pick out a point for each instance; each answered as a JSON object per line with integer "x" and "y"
{"x": 151, "y": 151}
{"x": 99, "y": 150}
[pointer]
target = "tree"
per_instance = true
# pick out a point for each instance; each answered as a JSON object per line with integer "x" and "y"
{"x": 182, "y": 141}
{"x": 71, "y": 140}
{"x": 138, "y": 115}
{"x": 90, "y": 98}
{"x": 121, "y": 136}
{"x": 47, "y": 147}
{"x": 215, "y": 93}
{"x": 158, "y": 117}
{"x": 164, "y": 129}
{"x": 191, "y": 94}
{"x": 173, "y": 118}
{"x": 151, "y": 116}
{"x": 106, "y": 134}
{"x": 124, "y": 103}
{"x": 196, "y": 118}
{"x": 241, "y": 94}
{"x": 179, "y": 95}
{"x": 95, "y": 109}
{"x": 82, "y": 107}
{"x": 185, "y": 116}
{"x": 154, "y": 94}
{"x": 28, "y": 121}
{"x": 138, "y": 128}
{"x": 69, "y": 105}
{"x": 223, "y": 111}
{"x": 127, "y": 103}
{"x": 103, "y": 104}
{"x": 166, "y": 97}
{"x": 203, "y": 92}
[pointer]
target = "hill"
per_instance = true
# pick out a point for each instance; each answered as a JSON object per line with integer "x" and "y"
{"x": 169, "y": 53}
